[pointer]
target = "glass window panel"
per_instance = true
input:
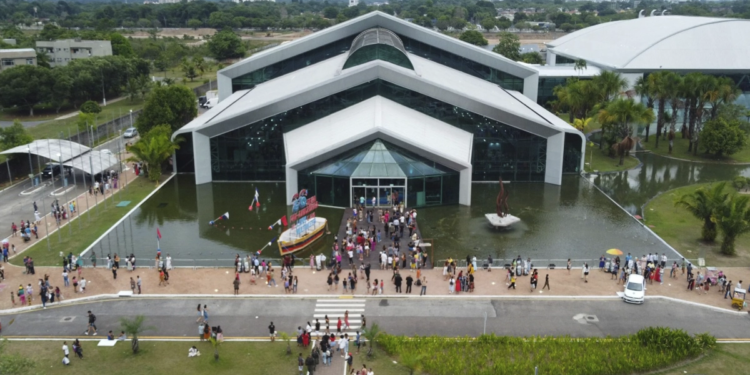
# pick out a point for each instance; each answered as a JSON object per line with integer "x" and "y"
{"x": 432, "y": 190}
{"x": 325, "y": 192}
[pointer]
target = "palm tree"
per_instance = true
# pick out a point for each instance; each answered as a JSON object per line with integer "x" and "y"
{"x": 371, "y": 335}
{"x": 215, "y": 343}
{"x": 702, "y": 203}
{"x": 134, "y": 327}
{"x": 285, "y": 337}
{"x": 733, "y": 219}
{"x": 153, "y": 149}
{"x": 703, "y": 91}
{"x": 673, "y": 82}
{"x": 724, "y": 92}
{"x": 411, "y": 360}
{"x": 609, "y": 85}
{"x": 582, "y": 123}
{"x": 657, "y": 82}
{"x": 643, "y": 89}
{"x": 620, "y": 114}
{"x": 580, "y": 65}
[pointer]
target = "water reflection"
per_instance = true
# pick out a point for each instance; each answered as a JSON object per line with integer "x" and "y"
{"x": 657, "y": 174}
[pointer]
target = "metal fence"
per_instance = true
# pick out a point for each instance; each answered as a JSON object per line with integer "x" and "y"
{"x": 543, "y": 263}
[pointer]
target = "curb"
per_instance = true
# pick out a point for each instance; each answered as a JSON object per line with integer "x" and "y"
{"x": 102, "y": 297}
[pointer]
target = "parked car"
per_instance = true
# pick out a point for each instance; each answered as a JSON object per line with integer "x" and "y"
{"x": 635, "y": 290}
{"x": 52, "y": 170}
{"x": 130, "y": 132}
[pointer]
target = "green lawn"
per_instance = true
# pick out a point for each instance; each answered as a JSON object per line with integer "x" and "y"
{"x": 52, "y": 129}
{"x": 599, "y": 160}
{"x": 724, "y": 359}
{"x": 680, "y": 150}
{"x": 176, "y": 74}
{"x": 260, "y": 358}
{"x": 681, "y": 230}
{"x": 91, "y": 228}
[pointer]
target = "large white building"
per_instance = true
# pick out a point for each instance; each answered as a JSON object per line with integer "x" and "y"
{"x": 379, "y": 107}
{"x": 682, "y": 44}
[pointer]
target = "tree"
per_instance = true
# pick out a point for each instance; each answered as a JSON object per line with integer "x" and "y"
{"x": 173, "y": 105}
{"x": 702, "y": 203}
{"x": 371, "y": 335}
{"x": 225, "y": 45}
{"x": 532, "y": 58}
{"x": 582, "y": 123}
{"x": 91, "y": 107}
{"x": 200, "y": 64}
{"x": 25, "y": 86}
{"x": 121, "y": 46}
{"x": 133, "y": 328}
{"x": 85, "y": 121}
{"x": 580, "y": 65}
{"x": 153, "y": 149}
{"x": 330, "y": 12}
{"x": 194, "y": 23}
{"x": 509, "y": 46}
{"x": 618, "y": 117}
{"x": 215, "y": 343}
{"x": 411, "y": 360}
{"x": 488, "y": 23}
{"x": 721, "y": 136}
{"x": 161, "y": 64}
{"x": 610, "y": 85}
{"x": 288, "y": 340}
{"x": 188, "y": 69}
{"x": 14, "y": 135}
{"x": 473, "y": 37}
{"x": 733, "y": 219}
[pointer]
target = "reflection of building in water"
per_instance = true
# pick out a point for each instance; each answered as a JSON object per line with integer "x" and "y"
{"x": 380, "y": 108}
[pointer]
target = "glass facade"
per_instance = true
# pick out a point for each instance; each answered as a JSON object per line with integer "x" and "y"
{"x": 462, "y": 64}
{"x": 572, "y": 153}
{"x": 562, "y": 60}
{"x": 291, "y": 64}
{"x": 378, "y": 52}
{"x": 546, "y": 88}
{"x": 365, "y": 166}
{"x": 256, "y": 152}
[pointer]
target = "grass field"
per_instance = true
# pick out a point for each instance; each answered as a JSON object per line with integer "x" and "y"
{"x": 599, "y": 160}
{"x": 91, "y": 228}
{"x": 680, "y": 150}
{"x": 53, "y": 129}
{"x": 252, "y": 358}
{"x": 724, "y": 359}
{"x": 681, "y": 230}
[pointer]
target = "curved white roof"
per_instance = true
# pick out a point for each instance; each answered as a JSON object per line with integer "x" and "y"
{"x": 662, "y": 42}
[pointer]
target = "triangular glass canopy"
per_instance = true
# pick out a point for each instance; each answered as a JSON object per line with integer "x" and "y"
{"x": 378, "y": 159}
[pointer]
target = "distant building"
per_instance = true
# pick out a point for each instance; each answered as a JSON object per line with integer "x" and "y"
{"x": 16, "y": 57}
{"x": 61, "y": 52}
{"x": 353, "y": 3}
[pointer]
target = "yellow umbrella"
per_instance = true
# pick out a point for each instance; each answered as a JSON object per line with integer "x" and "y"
{"x": 614, "y": 252}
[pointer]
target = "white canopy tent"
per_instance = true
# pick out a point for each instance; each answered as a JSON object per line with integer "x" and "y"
{"x": 94, "y": 162}
{"x": 54, "y": 149}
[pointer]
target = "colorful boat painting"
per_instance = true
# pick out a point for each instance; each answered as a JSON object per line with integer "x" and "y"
{"x": 306, "y": 227}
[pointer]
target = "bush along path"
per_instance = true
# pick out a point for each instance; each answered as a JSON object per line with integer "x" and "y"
{"x": 649, "y": 349}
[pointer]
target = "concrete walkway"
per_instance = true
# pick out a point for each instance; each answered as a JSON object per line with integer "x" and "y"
{"x": 218, "y": 282}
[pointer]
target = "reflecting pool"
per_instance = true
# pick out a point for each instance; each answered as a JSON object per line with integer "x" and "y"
{"x": 574, "y": 220}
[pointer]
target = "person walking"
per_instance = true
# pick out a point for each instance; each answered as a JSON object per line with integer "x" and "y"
{"x": 568, "y": 266}
{"x": 546, "y": 282}
{"x": 236, "y": 286}
{"x": 451, "y": 285}
{"x": 346, "y": 319}
{"x": 271, "y": 331}
{"x": 132, "y": 285}
{"x": 512, "y": 281}
{"x": 138, "y": 282}
{"x": 200, "y": 315}
{"x": 423, "y": 284}
{"x": 585, "y": 272}
{"x": 409, "y": 281}
{"x": 91, "y": 324}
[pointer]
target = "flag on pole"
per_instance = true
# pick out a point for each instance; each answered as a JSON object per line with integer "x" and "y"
{"x": 278, "y": 222}
{"x": 222, "y": 217}
{"x": 267, "y": 245}
{"x": 256, "y": 200}
{"x": 158, "y": 234}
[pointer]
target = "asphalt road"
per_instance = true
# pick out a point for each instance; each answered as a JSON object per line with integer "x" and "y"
{"x": 428, "y": 316}
{"x": 14, "y": 206}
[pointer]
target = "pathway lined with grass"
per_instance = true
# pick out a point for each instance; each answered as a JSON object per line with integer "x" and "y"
{"x": 680, "y": 151}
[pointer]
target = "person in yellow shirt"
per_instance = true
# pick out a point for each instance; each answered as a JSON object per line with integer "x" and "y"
{"x": 512, "y": 281}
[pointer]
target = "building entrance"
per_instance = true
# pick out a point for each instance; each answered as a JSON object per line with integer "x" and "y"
{"x": 387, "y": 192}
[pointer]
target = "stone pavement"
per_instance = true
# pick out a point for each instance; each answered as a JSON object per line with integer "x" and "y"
{"x": 218, "y": 281}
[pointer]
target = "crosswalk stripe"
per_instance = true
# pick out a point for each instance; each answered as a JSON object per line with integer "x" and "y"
{"x": 334, "y": 310}
{"x": 340, "y": 306}
{"x": 341, "y": 301}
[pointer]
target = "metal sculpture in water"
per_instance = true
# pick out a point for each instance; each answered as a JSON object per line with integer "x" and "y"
{"x": 502, "y": 201}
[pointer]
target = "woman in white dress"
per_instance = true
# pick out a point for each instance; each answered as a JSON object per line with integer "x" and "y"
{"x": 169, "y": 262}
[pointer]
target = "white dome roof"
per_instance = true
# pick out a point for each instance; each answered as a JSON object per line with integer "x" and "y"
{"x": 662, "y": 42}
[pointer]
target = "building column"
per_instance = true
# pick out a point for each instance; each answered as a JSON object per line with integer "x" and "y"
{"x": 202, "y": 157}
{"x": 291, "y": 184}
{"x": 464, "y": 191}
{"x": 554, "y": 164}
